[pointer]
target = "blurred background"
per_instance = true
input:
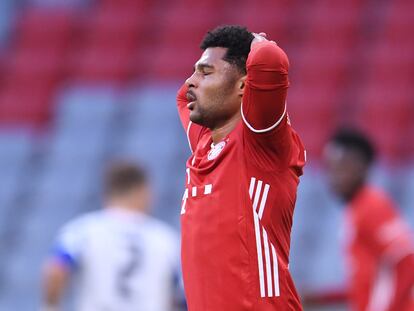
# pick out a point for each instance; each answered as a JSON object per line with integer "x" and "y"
{"x": 83, "y": 82}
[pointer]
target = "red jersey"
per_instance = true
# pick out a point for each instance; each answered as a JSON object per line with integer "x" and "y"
{"x": 240, "y": 195}
{"x": 381, "y": 255}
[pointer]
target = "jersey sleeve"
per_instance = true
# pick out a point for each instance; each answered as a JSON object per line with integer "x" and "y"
{"x": 389, "y": 239}
{"x": 385, "y": 233}
{"x": 193, "y": 131}
{"x": 264, "y": 100}
{"x": 404, "y": 285}
{"x": 69, "y": 243}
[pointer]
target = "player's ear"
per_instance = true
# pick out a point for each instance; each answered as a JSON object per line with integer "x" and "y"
{"x": 241, "y": 84}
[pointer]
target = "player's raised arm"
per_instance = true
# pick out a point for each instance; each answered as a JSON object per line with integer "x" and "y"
{"x": 192, "y": 130}
{"x": 182, "y": 103}
{"x": 264, "y": 98}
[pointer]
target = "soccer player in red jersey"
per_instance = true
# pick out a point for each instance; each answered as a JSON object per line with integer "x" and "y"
{"x": 241, "y": 178}
{"x": 379, "y": 245}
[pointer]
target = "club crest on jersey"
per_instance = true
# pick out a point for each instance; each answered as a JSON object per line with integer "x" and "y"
{"x": 216, "y": 150}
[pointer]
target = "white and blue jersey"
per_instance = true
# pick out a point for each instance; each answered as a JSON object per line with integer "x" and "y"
{"x": 125, "y": 261}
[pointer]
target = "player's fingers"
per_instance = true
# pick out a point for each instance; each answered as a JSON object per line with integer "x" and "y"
{"x": 260, "y": 34}
{"x": 258, "y": 37}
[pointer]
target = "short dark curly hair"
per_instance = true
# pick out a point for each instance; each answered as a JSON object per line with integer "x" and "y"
{"x": 235, "y": 38}
{"x": 355, "y": 140}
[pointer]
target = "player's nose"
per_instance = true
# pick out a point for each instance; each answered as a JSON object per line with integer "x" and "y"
{"x": 191, "y": 80}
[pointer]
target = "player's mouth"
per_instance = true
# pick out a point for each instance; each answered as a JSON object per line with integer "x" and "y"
{"x": 192, "y": 99}
{"x": 191, "y": 105}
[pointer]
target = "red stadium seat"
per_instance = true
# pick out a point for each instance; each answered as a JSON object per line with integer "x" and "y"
{"x": 25, "y": 105}
{"x": 269, "y": 17}
{"x": 334, "y": 22}
{"x": 387, "y": 112}
{"x": 382, "y": 104}
{"x": 314, "y": 114}
{"x": 320, "y": 65}
{"x": 110, "y": 47}
{"x": 26, "y": 65}
{"x": 165, "y": 66}
{"x": 183, "y": 25}
{"x": 100, "y": 64}
{"x": 398, "y": 23}
{"x": 116, "y": 26}
{"x": 212, "y": 5}
{"x": 336, "y": 75}
{"x": 385, "y": 52}
{"x": 46, "y": 28}
{"x": 128, "y": 4}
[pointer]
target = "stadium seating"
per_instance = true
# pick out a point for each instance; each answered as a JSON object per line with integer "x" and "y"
{"x": 83, "y": 82}
{"x": 16, "y": 150}
{"x": 318, "y": 245}
{"x": 119, "y": 42}
{"x": 153, "y": 136}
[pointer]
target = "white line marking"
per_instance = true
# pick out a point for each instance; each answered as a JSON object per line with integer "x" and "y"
{"x": 257, "y": 233}
{"x": 268, "y": 267}
{"x": 275, "y": 271}
{"x": 257, "y": 195}
{"x": 266, "y": 129}
{"x": 185, "y": 196}
{"x": 187, "y": 170}
{"x": 188, "y": 135}
{"x": 208, "y": 189}
{"x": 252, "y": 182}
{"x": 263, "y": 202}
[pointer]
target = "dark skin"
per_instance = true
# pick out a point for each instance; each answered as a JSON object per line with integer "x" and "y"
{"x": 215, "y": 91}
{"x": 347, "y": 170}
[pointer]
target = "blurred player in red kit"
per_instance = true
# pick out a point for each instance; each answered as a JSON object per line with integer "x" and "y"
{"x": 242, "y": 176}
{"x": 379, "y": 245}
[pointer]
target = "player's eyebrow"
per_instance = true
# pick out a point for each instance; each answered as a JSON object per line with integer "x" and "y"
{"x": 202, "y": 66}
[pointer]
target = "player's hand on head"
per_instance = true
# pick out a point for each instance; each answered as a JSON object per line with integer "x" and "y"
{"x": 260, "y": 37}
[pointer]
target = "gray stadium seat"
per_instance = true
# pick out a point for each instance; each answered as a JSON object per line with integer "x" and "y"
{"x": 408, "y": 197}
{"x": 316, "y": 235}
{"x": 16, "y": 149}
{"x": 86, "y": 105}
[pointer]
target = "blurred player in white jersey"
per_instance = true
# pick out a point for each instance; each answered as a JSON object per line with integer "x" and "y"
{"x": 124, "y": 259}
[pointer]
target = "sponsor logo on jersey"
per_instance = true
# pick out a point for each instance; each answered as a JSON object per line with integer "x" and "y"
{"x": 215, "y": 150}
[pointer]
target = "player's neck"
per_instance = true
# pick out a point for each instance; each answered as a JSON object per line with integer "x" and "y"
{"x": 124, "y": 204}
{"x": 220, "y": 132}
{"x": 355, "y": 191}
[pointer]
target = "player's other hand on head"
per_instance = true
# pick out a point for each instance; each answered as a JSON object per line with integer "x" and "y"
{"x": 260, "y": 37}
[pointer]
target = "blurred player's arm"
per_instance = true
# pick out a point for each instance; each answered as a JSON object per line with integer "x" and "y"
{"x": 193, "y": 131}
{"x": 61, "y": 263}
{"x": 178, "y": 296}
{"x": 404, "y": 271}
{"x": 179, "y": 303}
{"x": 325, "y": 297}
{"x": 399, "y": 255}
{"x": 56, "y": 277}
{"x": 264, "y": 98}
{"x": 390, "y": 239}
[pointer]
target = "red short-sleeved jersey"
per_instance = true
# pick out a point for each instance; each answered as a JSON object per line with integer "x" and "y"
{"x": 239, "y": 199}
{"x": 379, "y": 249}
